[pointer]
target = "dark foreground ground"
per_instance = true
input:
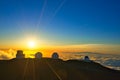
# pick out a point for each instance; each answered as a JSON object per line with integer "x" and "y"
{"x": 50, "y": 69}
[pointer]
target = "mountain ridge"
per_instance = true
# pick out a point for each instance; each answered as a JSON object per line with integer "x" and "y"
{"x": 55, "y": 69}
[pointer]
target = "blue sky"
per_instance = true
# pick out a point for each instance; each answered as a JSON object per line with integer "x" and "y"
{"x": 60, "y": 22}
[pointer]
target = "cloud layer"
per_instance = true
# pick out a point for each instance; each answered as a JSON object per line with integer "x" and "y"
{"x": 7, "y": 54}
{"x": 109, "y": 60}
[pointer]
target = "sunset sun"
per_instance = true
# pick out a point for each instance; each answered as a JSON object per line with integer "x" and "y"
{"x": 31, "y": 44}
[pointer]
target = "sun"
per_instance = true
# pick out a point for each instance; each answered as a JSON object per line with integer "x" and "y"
{"x": 31, "y": 44}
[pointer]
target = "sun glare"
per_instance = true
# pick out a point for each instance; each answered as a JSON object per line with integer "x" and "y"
{"x": 31, "y": 44}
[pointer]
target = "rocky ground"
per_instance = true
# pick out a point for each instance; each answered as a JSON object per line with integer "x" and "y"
{"x": 54, "y": 69}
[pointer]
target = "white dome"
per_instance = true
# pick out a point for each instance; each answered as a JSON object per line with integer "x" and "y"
{"x": 38, "y": 55}
{"x": 20, "y": 54}
{"x": 87, "y": 59}
{"x": 55, "y": 55}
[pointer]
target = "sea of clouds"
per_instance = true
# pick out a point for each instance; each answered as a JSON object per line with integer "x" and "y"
{"x": 108, "y": 60}
{"x": 7, "y": 54}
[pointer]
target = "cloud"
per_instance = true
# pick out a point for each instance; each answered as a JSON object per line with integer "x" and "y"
{"x": 7, "y": 54}
{"x": 108, "y": 60}
{"x": 99, "y": 48}
{"x": 111, "y": 62}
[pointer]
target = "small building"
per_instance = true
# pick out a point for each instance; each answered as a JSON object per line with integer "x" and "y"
{"x": 87, "y": 59}
{"x": 38, "y": 55}
{"x": 20, "y": 54}
{"x": 55, "y": 55}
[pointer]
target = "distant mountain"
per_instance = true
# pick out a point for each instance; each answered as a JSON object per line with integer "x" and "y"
{"x": 54, "y": 69}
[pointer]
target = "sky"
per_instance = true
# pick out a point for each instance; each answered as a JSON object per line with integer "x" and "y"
{"x": 93, "y": 25}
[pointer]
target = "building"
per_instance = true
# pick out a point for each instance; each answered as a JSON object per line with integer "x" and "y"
{"x": 38, "y": 55}
{"x": 55, "y": 55}
{"x": 87, "y": 59}
{"x": 20, "y": 54}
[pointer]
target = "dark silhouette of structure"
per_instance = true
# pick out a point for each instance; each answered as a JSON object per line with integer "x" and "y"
{"x": 38, "y": 55}
{"x": 55, "y": 55}
{"x": 87, "y": 59}
{"x": 43, "y": 69}
{"x": 20, "y": 54}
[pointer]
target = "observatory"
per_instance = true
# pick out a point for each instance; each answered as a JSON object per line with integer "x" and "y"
{"x": 38, "y": 55}
{"x": 87, "y": 59}
{"x": 55, "y": 55}
{"x": 20, "y": 54}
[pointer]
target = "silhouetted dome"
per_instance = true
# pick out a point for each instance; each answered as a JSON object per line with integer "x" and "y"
{"x": 87, "y": 59}
{"x": 20, "y": 54}
{"x": 38, "y": 55}
{"x": 55, "y": 55}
